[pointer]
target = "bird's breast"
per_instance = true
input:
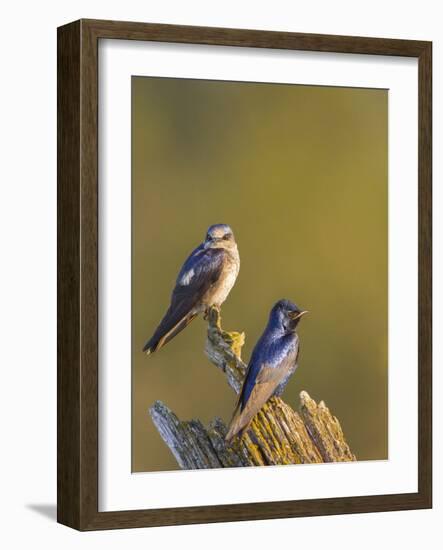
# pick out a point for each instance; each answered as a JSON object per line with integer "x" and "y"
{"x": 219, "y": 291}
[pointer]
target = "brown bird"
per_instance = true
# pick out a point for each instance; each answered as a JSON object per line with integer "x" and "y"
{"x": 204, "y": 281}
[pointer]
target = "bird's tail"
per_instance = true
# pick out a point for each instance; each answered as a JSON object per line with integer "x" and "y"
{"x": 165, "y": 332}
{"x": 239, "y": 423}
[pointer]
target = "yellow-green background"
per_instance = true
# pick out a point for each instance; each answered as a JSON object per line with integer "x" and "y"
{"x": 300, "y": 173}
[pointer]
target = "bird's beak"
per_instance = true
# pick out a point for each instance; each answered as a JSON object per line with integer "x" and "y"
{"x": 297, "y": 314}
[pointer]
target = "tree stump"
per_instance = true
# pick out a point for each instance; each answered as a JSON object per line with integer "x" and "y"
{"x": 277, "y": 435}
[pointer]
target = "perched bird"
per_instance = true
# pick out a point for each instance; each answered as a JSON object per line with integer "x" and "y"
{"x": 204, "y": 281}
{"x": 273, "y": 361}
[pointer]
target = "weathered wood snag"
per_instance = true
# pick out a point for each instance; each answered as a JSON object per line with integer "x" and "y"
{"x": 278, "y": 434}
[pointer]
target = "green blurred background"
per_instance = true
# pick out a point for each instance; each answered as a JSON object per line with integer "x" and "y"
{"x": 300, "y": 173}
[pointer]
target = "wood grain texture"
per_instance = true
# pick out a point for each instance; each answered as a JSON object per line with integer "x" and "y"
{"x": 77, "y": 170}
{"x": 89, "y": 274}
{"x": 425, "y": 274}
{"x": 278, "y": 435}
{"x": 254, "y": 38}
{"x": 68, "y": 276}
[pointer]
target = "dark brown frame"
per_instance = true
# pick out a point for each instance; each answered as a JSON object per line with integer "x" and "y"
{"x": 77, "y": 457}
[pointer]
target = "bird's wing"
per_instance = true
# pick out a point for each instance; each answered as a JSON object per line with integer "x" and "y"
{"x": 266, "y": 382}
{"x": 196, "y": 277}
{"x": 200, "y": 271}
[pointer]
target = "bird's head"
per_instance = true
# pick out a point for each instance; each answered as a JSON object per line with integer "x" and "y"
{"x": 219, "y": 235}
{"x": 286, "y": 315}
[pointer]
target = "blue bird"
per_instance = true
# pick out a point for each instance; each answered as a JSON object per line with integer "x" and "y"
{"x": 204, "y": 281}
{"x": 273, "y": 361}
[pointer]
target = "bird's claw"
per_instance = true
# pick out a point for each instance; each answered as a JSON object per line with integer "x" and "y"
{"x": 211, "y": 311}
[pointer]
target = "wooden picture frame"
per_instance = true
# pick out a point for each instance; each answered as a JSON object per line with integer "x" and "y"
{"x": 77, "y": 457}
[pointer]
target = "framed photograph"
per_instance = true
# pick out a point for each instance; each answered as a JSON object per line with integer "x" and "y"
{"x": 244, "y": 274}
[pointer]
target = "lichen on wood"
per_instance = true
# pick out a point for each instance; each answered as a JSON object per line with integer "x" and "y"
{"x": 278, "y": 435}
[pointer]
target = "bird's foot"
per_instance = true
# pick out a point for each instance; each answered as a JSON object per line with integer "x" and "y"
{"x": 235, "y": 340}
{"x": 212, "y": 314}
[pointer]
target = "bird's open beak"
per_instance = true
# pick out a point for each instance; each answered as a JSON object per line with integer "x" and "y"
{"x": 298, "y": 314}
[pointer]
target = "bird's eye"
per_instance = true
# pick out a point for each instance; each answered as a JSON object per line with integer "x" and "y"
{"x": 227, "y": 236}
{"x": 208, "y": 237}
